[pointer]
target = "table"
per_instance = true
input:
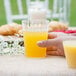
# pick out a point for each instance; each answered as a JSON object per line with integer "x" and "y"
{"x": 22, "y": 66}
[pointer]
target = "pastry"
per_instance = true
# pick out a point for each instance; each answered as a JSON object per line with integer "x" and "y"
{"x": 55, "y": 25}
{"x": 10, "y": 29}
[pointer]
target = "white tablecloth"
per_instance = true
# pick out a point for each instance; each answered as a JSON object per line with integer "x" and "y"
{"x": 22, "y": 66}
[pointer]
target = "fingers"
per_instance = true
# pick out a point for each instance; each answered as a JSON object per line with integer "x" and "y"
{"x": 47, "y": 43}
{"x": 51, "y": 35}
{"x": 51, "y": 48}
{"x": 56, "y": 53}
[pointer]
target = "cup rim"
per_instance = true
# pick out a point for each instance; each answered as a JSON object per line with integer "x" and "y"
{"x": 70, "y": 43}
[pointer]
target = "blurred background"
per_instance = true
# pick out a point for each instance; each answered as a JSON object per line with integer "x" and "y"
{"x": 14, "y": 9}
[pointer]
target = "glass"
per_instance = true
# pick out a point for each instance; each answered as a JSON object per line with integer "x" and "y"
{"x": 70, "y": 52}
{"x": 37, "y": 13}
{"x": 34, "y": 31}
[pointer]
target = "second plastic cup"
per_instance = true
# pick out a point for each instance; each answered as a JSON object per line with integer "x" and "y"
{"x": 70, "y": 52}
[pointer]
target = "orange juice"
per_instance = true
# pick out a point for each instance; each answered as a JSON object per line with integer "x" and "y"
{"x": 30, "y": 42}
{"x": 70, "y": 52}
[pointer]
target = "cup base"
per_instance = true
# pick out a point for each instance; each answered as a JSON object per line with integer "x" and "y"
{"x": 35, "y": 56}
{"x": 72, "y": 67}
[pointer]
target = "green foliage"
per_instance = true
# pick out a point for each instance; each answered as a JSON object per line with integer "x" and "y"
{"x": 15, "y": 11}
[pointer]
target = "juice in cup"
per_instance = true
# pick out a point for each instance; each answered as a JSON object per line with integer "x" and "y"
{"x": 33, "y": 34}
{"x": 70, "y": 52}
{"x": 30, "y": 42}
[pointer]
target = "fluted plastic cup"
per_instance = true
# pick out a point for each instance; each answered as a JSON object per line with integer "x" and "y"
{"x": 33, "y": 32}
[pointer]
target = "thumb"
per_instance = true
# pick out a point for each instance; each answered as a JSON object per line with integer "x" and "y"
{"x": 47, "y": 43}
{"x": 52, "y": 35}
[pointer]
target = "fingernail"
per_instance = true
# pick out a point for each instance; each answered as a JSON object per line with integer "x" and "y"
{"x": 39, "y": 43}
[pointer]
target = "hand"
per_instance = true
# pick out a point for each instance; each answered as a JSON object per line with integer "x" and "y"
{"x": 54, "y": 43}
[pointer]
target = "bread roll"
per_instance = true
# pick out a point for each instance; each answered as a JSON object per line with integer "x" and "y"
{"x": 10, "y": 29}
{"x": 55, "y": 25}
